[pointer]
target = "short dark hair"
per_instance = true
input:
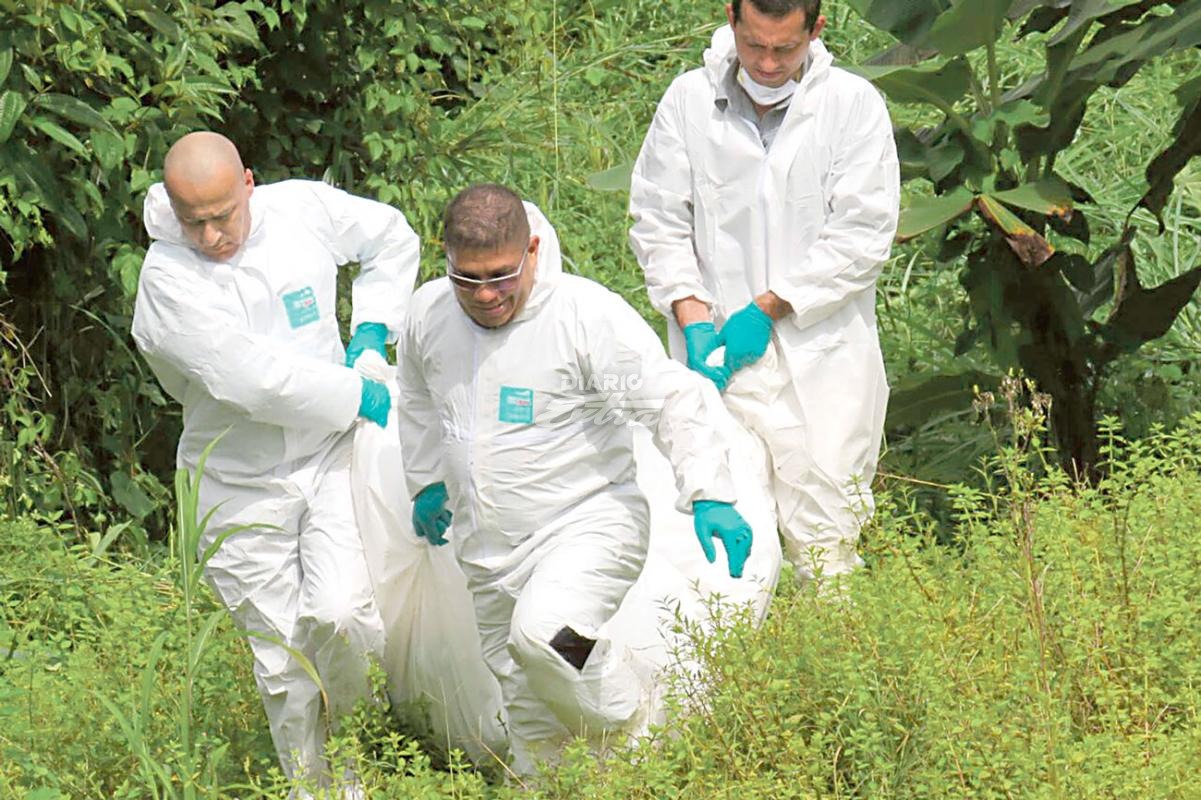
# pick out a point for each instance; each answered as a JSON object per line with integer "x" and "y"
{"x": 782, "y": 8}
{"x": 485, "y": 216}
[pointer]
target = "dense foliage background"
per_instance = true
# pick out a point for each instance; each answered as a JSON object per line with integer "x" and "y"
{"x": 996, "y": 573}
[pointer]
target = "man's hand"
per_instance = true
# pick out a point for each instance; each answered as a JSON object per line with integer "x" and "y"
{"x": 702, "y": 339}
{"x": 368, "y": 336}
{"x": 746, "y": 335}
{"x": 431, "y": 517}
{"x": 375, "y": 402}
{"x": 710, "y": 519}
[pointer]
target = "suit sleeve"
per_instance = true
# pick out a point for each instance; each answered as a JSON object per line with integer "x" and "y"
{"x": 182, "y": 321}
{"x": 863, "y": 198}
{"x": 661, "y": 206}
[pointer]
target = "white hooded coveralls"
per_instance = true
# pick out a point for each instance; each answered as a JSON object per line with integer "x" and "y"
{"x": 528, "y": 426}
{"x": 252, "y": 345}
{"x": 718, "y": 218}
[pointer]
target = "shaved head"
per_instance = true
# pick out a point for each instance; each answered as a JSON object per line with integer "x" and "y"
{"x": 210, "y": 189}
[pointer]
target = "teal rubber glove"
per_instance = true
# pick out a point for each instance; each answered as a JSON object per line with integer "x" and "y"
{"x": 431, "y": 517}
{"x": 745, "y": 335}
{"x": 375, "y": 402}
{"x": 712, "y": 518}
{"x": 701, "y": 338}
{"x": 368, "y": 336}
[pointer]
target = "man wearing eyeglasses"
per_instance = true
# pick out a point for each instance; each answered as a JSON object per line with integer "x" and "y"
{"x": 495, "y": 362}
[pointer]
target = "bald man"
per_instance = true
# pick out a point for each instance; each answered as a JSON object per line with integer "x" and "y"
{"x": 235, "y": 315}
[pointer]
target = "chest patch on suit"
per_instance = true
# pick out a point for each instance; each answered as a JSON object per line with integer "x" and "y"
{"x": 301, "y": 306}
{"x": 516, "y": 405}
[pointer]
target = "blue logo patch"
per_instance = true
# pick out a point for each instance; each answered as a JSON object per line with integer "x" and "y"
{"x": 301, "y": 306}
{"x": 516, "y": 405}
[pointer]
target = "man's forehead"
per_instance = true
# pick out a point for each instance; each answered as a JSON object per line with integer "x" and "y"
{"x": 202, "y": 210}
{"x": 500, "y": 260}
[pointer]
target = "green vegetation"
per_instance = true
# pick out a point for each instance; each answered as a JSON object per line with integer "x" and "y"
{"x": 1015, "y": 635}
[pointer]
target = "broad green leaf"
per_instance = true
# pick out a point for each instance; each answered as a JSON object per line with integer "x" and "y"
{"x": 1116, "y": 57}
{"x": 1186, "y": 144}
{"x": 1083, "y": 12}
{"x": 162, "y": 23}
{"x": 59, "y": 134}
{"x": 1021, "y": 8}
{"x": 12, "y": 106}
{"x": 908, "y": 21}
{"x": 966, "y": 26}
{"x": 1012, "y": 114}
{"x": 1051, "y": 196}
{"x": 73, "y": 109}
{"x": 109, "y": 149}
{"x": 918, "y": 399}
{"x": 6, "y": 63}
{"x": 1147, "y": 314}
{"x": 939, "y": 84}
{"x": 945, "y": 157}
{"x": 614, "y": 179}
{"x": 1030, "y": 247}
{"x": 927, "y": 213}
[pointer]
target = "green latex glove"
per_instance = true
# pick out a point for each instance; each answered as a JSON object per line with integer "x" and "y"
{"x": 375, "y": 402}
{"x": 368, "y": 336}
{"x": 711, "y": 519}
{"x": 702, "y": 338}
{"x": 745, "y": 335}
{"x": 431, "y": 517}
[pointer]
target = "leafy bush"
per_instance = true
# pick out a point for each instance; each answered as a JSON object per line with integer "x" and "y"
{"x": 76, "y": 634}
{"x": 1051, "y": 653}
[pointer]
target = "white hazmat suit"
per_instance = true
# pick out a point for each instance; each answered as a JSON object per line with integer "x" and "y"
{"x": 250, "y": 347}
{"x": 527, "y": 424}
{"x": 720, "y": 218}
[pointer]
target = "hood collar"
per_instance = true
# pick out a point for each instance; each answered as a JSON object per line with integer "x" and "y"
{"x": 162, "y": 224}
{"x": 550, "y": 262}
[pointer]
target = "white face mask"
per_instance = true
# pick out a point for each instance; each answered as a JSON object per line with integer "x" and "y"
{"x": 765, "y": 95}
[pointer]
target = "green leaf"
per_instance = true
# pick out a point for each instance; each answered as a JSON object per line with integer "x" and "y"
{"x": 109, "y": 149}
{"x": 1030, "y": 247}
{"x": 908, "y": 21}
{"x": 968, "y": 25}
{"x": 1083, "y": 12}
{"x": 614, "y": 179}
{"x": 162, "y": 23}
{"x": 1147, "y": 314}
{"x": 73, "y": 109}
{"x": 12, "y": 106}
{"x": 1161, "y": 172}
{"x": 927, "y": 213}
{"x": 130, "y": 496}
{"x": 473, "y": 23}
{"x": 116, "y": 7}
{"x": 6, "y": 63}
{"x": 59, "y": 134}
{"x": 1011, "y": 114}
{"x": 920, "y": 398}
{"x": 1050, "y": 196}
{"x": 941, "y": 84}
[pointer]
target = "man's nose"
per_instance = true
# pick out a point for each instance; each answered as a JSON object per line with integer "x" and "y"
{"x": 211, "y": 234}
{"x": 486, "y": 294}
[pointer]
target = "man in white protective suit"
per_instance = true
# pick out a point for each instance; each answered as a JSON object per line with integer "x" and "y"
{"x": 500, "y": 367}
{"x": 235, "y": 314}
{"x": 765, "y": 199}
